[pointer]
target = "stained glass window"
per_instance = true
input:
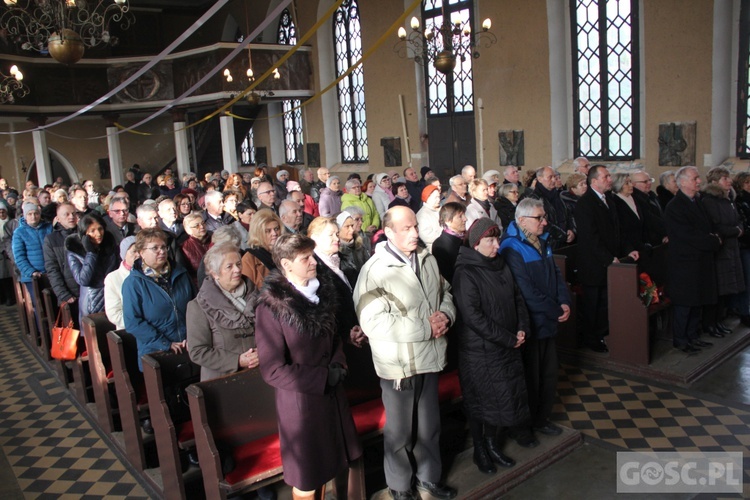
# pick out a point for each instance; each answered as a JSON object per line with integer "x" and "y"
{"x": 605, "y": 79}
{"x": 347, "y": 43}
{"x": 287, "y": 35}
{"x": 453, "y": 92}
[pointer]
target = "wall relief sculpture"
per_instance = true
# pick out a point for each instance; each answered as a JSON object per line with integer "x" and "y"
{"x": 511, "y": 147}
{"x": 677, "y": 144}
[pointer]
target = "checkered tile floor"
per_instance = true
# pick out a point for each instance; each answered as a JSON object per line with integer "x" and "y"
{"x": 636, "y": 416}
{"x": 53, "y": 450}
{"x": 51, "y": 447}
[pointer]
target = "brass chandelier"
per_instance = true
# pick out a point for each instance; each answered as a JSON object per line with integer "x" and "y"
{"x": 443, "y": 44}
{"x": 63, "y": 27}
{"x": 12, "y": 86}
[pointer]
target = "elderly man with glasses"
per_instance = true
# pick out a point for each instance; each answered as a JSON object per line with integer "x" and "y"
{"x": 529, "y": 256}
{"x": 117, "y": 219}
{"x": 267, "y": 197}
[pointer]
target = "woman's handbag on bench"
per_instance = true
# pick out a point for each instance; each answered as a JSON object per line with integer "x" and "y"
{"x": 64, "y": 339}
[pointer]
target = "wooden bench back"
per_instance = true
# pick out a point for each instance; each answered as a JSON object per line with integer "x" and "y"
{"x": 95, "y": 328}
{"x": 130, "y": 389}
{"x": 166, "y": 376}
{"x": 237, "y": 408}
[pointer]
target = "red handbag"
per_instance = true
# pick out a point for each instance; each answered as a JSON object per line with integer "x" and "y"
{"x": 64, "y": 339}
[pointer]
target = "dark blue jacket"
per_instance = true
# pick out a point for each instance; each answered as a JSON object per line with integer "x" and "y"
{"x": 89, "y": 268}
{"x": 28, "y": 248}
{"x": 539, "y": 279}
{"x": 153, "y": 317}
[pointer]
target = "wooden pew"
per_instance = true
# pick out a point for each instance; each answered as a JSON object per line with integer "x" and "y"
{"x": 23, "y": 319}
{"x": 39, "y": 283}
{"x": 131, "y": 396}
{"x": 64, "y": 374}
{"x": 167, "y": 375}
{"x": 237, "y": 415}
{"x": 629, "y": 338}
{"x": 95, "y": 328}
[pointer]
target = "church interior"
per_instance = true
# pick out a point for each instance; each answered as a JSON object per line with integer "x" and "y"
{"x": 365, "y": 87}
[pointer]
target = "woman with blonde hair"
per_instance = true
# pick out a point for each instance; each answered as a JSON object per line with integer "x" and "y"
{"x": 265, "y": 228}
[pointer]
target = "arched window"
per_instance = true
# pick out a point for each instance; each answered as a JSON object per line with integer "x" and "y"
{"x": 347, "y": 43}
{"x": 605, "y": 79}
{"x": 247, "y": 149}
{"x": 454, "y": 92}
{"x": 743, "y": 84}
{"x": 287, "y": 35}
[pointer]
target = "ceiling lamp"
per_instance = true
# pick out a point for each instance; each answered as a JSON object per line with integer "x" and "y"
{"x": 63, "y": 27}
{"x": 254, "y": 96}
{"x": 444, "y": 44}
{"x": 12, "y": 86}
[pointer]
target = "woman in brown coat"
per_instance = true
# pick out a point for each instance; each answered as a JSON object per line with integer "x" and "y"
{"x": 221, "y": 318}
{"x": 265, "y": 228}
{"x": 301, "y": 356}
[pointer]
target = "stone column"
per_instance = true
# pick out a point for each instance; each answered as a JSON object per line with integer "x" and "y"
{"x": 116, "y": 172}
{"x": 41, "y": 152}
{"x": 228, "y": 144}
{"x": 182, "y": 152}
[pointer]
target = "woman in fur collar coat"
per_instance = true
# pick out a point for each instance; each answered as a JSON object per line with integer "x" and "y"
{"x": 92, "y": 255}
{"x": 301, "y": 356}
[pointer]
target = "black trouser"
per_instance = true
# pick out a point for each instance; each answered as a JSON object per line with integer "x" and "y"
{"x": 540, "y": 367}
{"x": 685, "y": 324}
{"x": 595, "y": 314}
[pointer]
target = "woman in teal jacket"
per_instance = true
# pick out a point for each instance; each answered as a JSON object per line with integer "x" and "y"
{"x": 155, "y": 297}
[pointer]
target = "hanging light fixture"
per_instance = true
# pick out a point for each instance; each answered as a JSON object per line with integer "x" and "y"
{"x": 444, "y": 44}
{"x": 253, "y": 98}
{"x": 12, "y": 86}
{"x": 63, "y": 27}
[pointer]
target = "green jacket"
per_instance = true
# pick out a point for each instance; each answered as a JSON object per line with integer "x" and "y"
{"x": 371, "y": 216}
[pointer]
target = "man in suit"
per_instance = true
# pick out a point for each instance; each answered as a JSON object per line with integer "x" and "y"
{"x": 117, "y": 219}
{"x": 599, "y": 246}
{"x": 692, "y": 267}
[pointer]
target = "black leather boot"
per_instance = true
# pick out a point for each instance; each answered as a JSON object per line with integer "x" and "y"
{"x": 482, "y": 459}
{"x": 496, "y": 455}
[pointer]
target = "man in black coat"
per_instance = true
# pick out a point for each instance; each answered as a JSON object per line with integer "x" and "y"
{"x": 60, "y": 277}
{"x": 692, "y": 267}
{"x": 599, "y": 246}
{"x": 117, "y": 219}
{"x": 558, "y": 223}
{"x": 415, "y": 187}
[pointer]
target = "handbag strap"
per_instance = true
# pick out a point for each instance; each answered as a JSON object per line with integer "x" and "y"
{"x": 58, "y": 321}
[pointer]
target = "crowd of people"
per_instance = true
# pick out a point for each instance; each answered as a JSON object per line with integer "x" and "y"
{"x": 244, "y": 271}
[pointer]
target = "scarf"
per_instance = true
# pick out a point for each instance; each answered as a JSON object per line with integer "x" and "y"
{"x": 333, "y": 262}
{"x": 534, "y": 240}
{"x": 485, "y": 206}
{"x": 309, "y": 291}
{"x": 453, "y": 233}
{"x": 161, "y": 278}
{"x": 631, "y": 203}
{"x": 237, "y": 298}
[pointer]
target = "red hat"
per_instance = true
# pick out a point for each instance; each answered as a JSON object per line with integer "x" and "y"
{"x": 427, "y": 191}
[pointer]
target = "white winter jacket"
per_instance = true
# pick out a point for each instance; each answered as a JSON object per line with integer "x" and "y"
{"x": 394, "y": 308}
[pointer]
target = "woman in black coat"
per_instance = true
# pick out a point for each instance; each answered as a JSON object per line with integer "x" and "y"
{"x": 726, "y": 222}
{"x": 492, "y": 325}
{"x": 630, "y": 214}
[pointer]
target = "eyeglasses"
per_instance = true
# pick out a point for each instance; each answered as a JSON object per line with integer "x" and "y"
{"x": 120, "y": 211}
{"x": 513, "y": 192}
{"x": 159, "y": 249}
{"x": 265, "y": 192}
{"x": 197, "y": 225}
{"x": 644, "y": 182}
{"x": 357, "y": 219}
{"x": 537, "y": 217}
